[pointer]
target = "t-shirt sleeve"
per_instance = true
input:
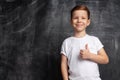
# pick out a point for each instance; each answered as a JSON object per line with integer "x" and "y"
{"x": 99, "y": 45}
{"x": 64, "y": 48}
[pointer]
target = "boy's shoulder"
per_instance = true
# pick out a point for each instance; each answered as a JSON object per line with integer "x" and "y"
{"x": 92, "y": 37}
{"x": 68, "y": 38}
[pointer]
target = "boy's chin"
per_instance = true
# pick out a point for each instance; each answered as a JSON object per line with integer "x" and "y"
{"x": 79, "y": 30}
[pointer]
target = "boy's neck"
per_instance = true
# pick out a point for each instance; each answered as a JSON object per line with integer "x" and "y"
{"x": 79, "y": 34}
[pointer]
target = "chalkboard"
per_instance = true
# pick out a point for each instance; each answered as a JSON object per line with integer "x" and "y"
{"x": 32, "y": 31}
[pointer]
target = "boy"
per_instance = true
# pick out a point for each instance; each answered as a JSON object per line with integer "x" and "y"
{"x": 81, "y": 52}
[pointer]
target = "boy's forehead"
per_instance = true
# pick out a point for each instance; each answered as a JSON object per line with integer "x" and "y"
{"x": 80, "y": 11}
{"x": 83, "y": 12}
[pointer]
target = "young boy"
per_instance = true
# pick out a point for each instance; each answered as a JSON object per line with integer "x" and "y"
{"x": 81, "y": 52}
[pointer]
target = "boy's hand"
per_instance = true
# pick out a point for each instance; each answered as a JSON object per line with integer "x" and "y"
{"x": 85, "y": 53}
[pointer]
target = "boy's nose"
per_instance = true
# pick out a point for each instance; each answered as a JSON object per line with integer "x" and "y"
{"x": 79, "y": 20}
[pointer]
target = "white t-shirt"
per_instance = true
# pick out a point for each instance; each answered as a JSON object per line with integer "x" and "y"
{"x": 80, "y": 69}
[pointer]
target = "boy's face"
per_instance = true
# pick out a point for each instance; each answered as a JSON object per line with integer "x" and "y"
{"x": 80, "y": 20}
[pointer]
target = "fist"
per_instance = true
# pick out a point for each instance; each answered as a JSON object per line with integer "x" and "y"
{"x": 84, "y": 53}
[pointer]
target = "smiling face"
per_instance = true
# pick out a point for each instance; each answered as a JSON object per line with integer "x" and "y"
{"x": 80, "y": 20}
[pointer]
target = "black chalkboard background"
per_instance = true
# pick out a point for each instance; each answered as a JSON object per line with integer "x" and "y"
{"x": 32, "y": 31}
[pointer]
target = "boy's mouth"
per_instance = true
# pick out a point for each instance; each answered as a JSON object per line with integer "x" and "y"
{"x": 79, "y": 25}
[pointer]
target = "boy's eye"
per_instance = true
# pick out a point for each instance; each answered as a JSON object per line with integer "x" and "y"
{"x": 78, "y": 18}
{"x": 75, "y": 17}
{"x": 83, "y": 18}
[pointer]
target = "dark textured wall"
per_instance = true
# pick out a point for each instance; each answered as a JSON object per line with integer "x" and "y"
{"x": 31, "y": 33}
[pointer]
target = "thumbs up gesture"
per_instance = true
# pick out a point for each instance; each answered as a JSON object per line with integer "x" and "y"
{"x": 85, "y": 53}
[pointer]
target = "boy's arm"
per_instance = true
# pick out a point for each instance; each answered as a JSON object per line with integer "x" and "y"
{"x": 64, "y": 67}
{"x": 100, "y": 58}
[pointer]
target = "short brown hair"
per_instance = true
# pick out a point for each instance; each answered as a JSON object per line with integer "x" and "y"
{"x": 80, "y": 7}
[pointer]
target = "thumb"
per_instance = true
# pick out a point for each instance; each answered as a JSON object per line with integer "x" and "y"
{"x": 86, "y": 47}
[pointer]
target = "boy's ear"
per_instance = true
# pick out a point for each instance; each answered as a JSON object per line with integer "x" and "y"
{"x": 88, "y": 22}
{"x": 71, "y": 21}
